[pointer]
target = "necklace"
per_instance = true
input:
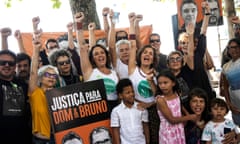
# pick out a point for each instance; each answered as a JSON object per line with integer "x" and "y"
{"x": 141, "y": 73}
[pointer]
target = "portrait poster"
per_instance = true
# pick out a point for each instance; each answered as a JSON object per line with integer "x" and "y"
{"x": 78, "y": 109}
{"x": 191, "y": 10}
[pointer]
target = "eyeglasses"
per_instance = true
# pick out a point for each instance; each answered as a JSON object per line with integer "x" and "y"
{"x": 10, "y": 63}
{"x": 156, "y": 40}
{"x": 64, "y": 62}
{"x": 233, "y": 47}
{"x": 177, "y": 59}
{"x": 50, "y": 75}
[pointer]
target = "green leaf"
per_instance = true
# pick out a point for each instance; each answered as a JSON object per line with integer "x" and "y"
{"x": 56, "y": 4}
{"x": 8, "y": 5}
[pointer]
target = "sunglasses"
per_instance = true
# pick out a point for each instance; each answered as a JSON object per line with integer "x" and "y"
{"x": 50, "y": 75}
{"x": 10, "y": 63}
{"x": 122, "y": 38}
{"x": 156, "y": 40}
{"x": 63, "y": 62}
{"x": 177, "y": 59}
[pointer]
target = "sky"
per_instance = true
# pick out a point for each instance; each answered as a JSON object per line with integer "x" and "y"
{"x": 20, "y": 14}
{"x": 154, "y": 13}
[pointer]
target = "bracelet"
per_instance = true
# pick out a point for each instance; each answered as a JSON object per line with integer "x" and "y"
{"x": 79, "y": 25}
{"x": 132, "y": 37}
{"x": 207, "y": 13}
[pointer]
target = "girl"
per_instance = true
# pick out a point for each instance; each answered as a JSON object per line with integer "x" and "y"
{"x": 169, "y": 110}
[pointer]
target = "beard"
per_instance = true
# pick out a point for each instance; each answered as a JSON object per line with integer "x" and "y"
{"x": 23, "y": 74}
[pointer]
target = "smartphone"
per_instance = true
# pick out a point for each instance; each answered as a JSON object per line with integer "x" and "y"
{"x": 227, "y": 130}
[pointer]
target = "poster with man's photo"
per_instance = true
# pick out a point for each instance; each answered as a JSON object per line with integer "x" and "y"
{"x": 77, "y": 110}
{"x": 191, "y": 11}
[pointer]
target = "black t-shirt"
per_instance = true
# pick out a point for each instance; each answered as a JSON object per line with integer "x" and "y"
{"x": 200, "y": 77}
{"x": 162, "y": 62}
{"x": 76, "y": 60}
{"x": 44, "y": 57}
{"x": 14, "y": 112}
{"x": 71, "y": 79}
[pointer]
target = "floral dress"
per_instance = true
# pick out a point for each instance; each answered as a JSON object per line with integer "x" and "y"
{"x": 171, "y": 133}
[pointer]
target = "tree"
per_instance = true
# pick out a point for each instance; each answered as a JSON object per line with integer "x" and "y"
{"x": 89, "y": 9}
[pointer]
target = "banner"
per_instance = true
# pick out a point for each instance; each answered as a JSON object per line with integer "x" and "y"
{"x": 191, "y": 11}
{"x": 145, "y": 32}
{"x": 77, "y": 110}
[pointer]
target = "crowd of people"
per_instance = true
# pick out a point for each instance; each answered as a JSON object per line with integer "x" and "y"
{"x": 153, "y": 98}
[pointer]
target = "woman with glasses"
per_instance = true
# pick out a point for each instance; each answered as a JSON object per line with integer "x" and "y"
{"x": 182, "y": 65}
{"x": 182, "y": 72}
{"x": 230, "y": 79}
{"x": 40, "y": 81}
{"x": 197, "y": 76}
{"x": 62, "y": 60}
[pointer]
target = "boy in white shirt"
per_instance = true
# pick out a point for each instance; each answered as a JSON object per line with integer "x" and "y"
{"x": 129, "y": 124}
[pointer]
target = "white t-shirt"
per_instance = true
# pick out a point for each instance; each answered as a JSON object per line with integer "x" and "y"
{"x": 110, "y": 82}
{"x": 129, "y": 120}
{"x": 121, "y": 69}
{"x": 142, "y": 89}
{"x": 214, "y": 132}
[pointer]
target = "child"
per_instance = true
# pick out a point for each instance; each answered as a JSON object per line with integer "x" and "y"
{"x": 197, "y": 105}
{"x": 215, "y": 130}
{"x": 129, "y": 124}
{"x": 169, "y": 110}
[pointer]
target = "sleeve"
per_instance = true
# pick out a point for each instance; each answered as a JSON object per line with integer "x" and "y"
{"x": 206, "y": 135}
{"x": 44, "y": 57}
{"x": 236, "y": 129}
{"x": 145, "y": 116}
{"x": 115, "y": 119}
{"x": 201, "y": 45}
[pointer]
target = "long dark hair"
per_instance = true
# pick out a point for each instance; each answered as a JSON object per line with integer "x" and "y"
{"x": 108, "y": 63}
{"x": 139, "y": 54}
{"x": 233, "y": 40}
{"x": 167, "y": 73}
